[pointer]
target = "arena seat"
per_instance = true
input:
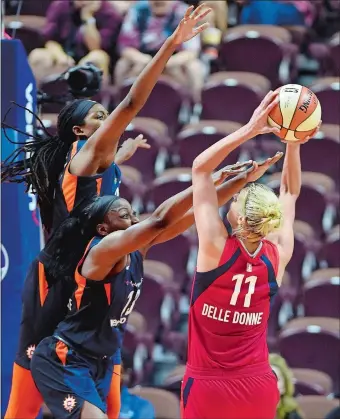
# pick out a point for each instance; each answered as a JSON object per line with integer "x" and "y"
{"x": 139, "y": 342}
{"x": 261, "y": 49}
{"x": 321, "y": 297}
{"x": 174, "y": 253}
{"x": 165, "y": 102}
{"x": 195, "y": 138}
{"x": 132, "y": 187}
{"x": 232, "y": 96}
{"x": 164, "y": 274}
{"x": 28, "y": 30}
{"x": 322, "y": 155}
{"x": 327, "y": 90}
{"x": 315, "y": 188}
{"x": 330, "y": 251}
{"x": 311, "y": 382}
{"x": 327, "y": 55}
{"x": 324, "y": 273}
{"x": 169, "y": 183}
{"x": 149, "y": 162}
{"x": 304, "y": 339}
{"x": 315, "y": 407}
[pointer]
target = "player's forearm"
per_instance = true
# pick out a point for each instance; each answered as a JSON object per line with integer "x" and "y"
{"x": 291, "y": 172}
{"x": 121, "y": 156}
{"x": 142, "y": 87}
{"x": 171, "y": 210}
{"x": 213, "y": 156}
{"x": 175, "y": 207}
{"x": 225, "y": 192}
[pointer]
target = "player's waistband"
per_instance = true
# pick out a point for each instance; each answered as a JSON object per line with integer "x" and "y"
{"x": 225, "y": 373}
{"x": 115, "y": 357}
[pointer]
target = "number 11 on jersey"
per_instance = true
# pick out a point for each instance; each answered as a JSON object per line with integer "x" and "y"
{"x": 237, "y": 289}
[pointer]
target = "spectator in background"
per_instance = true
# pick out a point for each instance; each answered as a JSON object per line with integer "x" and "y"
{"x": 283, "y": 13}
{"x": 218, "y": 20}
{"x": 145, "y": 28}
{"x": 122, "y": 6}
{"x": 132, "y": 406}
{"x": 77, "y": 31}
{"x": 287, "y": 407}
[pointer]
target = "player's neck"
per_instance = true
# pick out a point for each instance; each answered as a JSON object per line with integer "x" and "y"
{"x": 250, "y": 246}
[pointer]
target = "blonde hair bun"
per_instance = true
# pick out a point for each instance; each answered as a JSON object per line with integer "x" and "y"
{"x": 262, "y": 211}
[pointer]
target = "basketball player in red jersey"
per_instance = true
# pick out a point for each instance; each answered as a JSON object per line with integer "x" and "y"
{"x": 228, "y": 375}
{"x": 87, "y": 120}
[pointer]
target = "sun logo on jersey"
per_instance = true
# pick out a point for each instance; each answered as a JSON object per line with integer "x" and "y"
{"x": 69, "y": 403}
{"x": 30, "y": 351}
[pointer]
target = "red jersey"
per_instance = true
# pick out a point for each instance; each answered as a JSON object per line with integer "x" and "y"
{"x": 229, "y": 310}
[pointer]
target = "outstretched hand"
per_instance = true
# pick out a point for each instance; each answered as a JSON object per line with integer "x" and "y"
{"x": 300, "y": 142}
{"x": 258, "y": 123}
{"x": 187, "y": 28}
{"x": 129, "y": 147}
{"x": 259, "y": 169}
{"x": 231, "y": 170}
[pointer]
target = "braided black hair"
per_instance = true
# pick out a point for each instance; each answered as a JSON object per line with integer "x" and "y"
{"x": 67, "y": 244}
{"x": 38, "y": 162}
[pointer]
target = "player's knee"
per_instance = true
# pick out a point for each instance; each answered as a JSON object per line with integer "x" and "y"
{"x": 89, "y": 411}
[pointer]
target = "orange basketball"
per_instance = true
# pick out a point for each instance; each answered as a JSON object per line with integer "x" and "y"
{"x": 297, "y": 114}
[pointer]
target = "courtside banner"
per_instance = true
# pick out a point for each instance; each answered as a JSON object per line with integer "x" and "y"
{"x": 20, "y": 238}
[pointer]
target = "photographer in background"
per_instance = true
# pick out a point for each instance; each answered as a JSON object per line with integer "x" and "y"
{"x": 77, "y": 31}
{"x": 132, "y": 406}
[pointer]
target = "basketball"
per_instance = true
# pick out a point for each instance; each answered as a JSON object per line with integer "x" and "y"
{"x": 297, "y": 114}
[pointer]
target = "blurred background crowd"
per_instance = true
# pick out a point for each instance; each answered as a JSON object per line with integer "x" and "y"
{"x": 209, "y": 88}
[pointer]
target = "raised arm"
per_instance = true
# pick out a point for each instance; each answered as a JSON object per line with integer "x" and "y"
{"x": 212, "y": 233}
{"x": 99, "y": 151}
{"x": 225, "y": 192}
{"x": 289, "y": 192}
{"x": 120, "y": 243}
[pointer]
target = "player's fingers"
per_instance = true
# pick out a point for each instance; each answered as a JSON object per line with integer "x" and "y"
{"x": 201, "y": 28}
{"x": 253, "y": 167}
{"x": 272, "y": 105}
{"x": 269, "y": 98}
{"x": 198, "y": 10}
{"x": 139, "y": 137}
{"x": 274, "y": 130}
{"x": 274, "y": 159}
{"x": 203, "y": 14}
{"x": 144, "y": 145}
{"x": 188, "y": 12}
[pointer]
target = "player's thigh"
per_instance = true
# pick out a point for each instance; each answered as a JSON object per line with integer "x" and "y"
{"x": 63, "y": 380}
{"x": 243, "y": 398}
{"x": 25, "y": 400}
{"x": 89, "y": 411}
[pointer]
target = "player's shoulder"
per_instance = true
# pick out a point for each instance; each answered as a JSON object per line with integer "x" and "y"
{"x": 270, "y": 250}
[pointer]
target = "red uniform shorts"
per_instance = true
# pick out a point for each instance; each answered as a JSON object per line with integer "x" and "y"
{"x": 246, "y": 397}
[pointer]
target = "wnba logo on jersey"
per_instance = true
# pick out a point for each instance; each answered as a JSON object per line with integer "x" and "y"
{"x": 4, "y": 262}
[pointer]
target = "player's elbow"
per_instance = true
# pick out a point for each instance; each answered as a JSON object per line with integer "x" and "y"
{"x": 133, "y": 102}
{"x": 159, "y": 222}
{"x": 198, "y": 166}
